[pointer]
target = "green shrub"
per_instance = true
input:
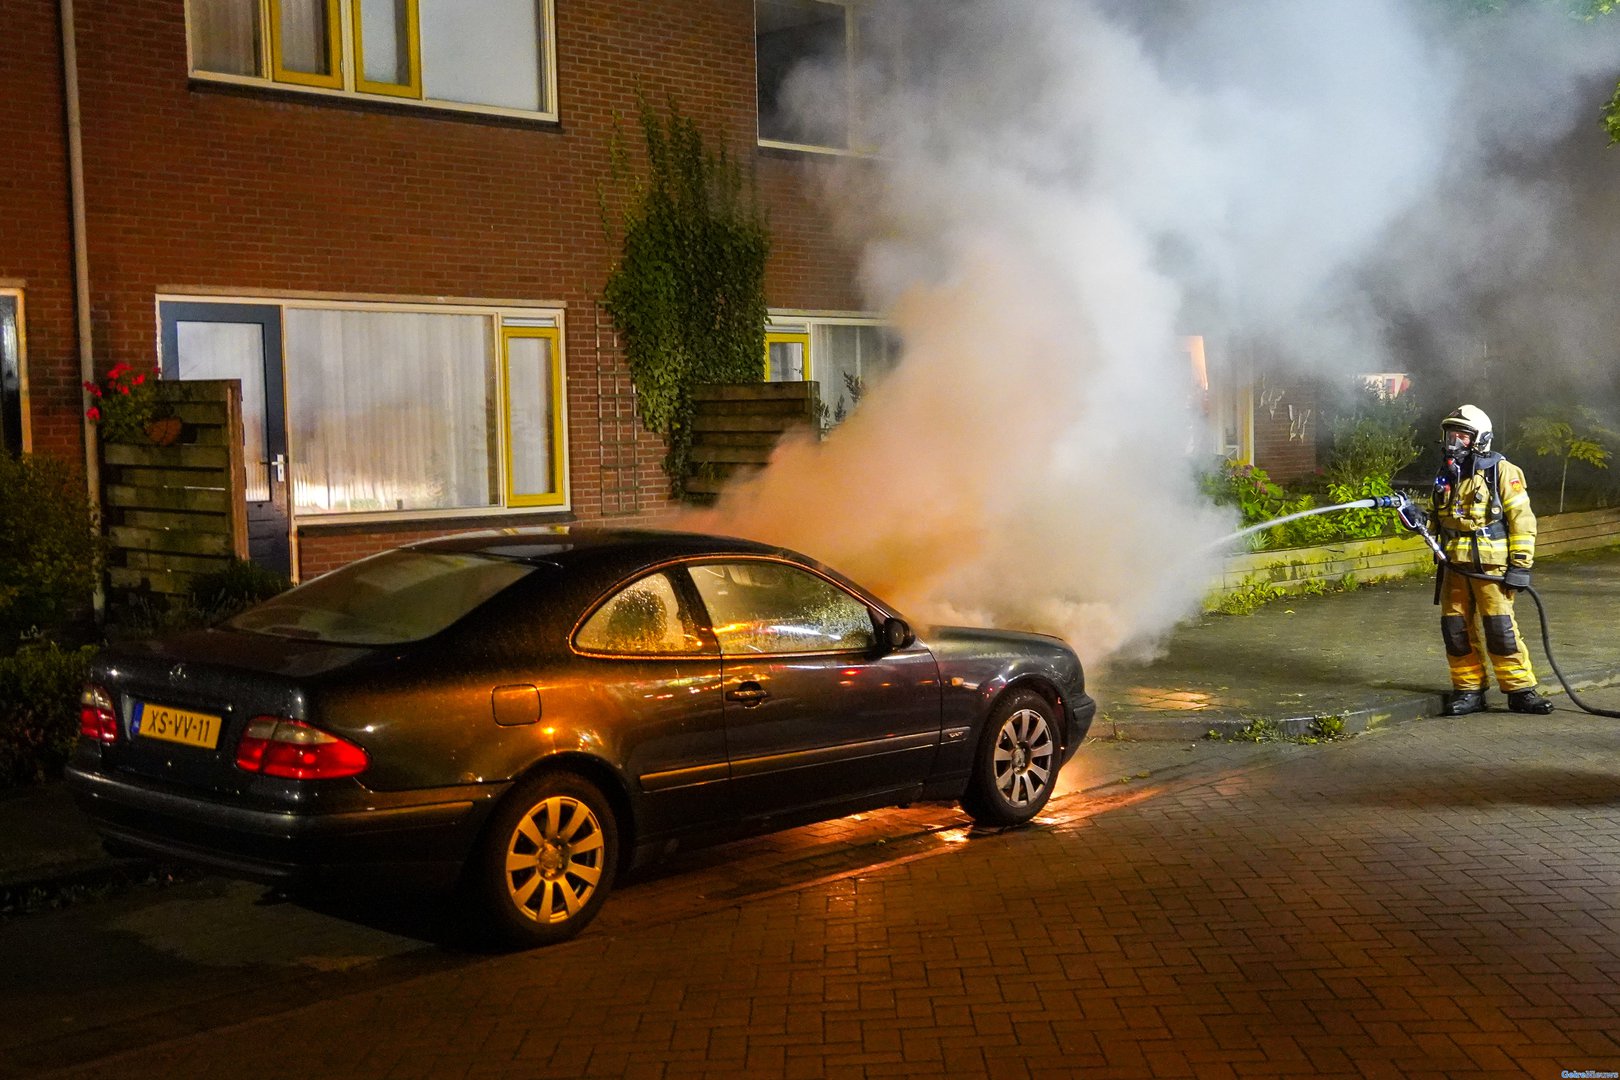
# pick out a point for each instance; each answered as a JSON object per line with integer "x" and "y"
{"x": 1247, "y": 488}
{"x": 212, "y": 598}
{"x": 234, "y": 588}
{"x": 1373, "y": 439}
{"x": 50, "y": 549}
{"x": 1259, "y": 500}
{"x": 39, "y": 701}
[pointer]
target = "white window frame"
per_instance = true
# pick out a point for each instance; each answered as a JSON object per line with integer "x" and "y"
{"x": 517, "y": 315}
{"x": 795, "y": 323}
{"x": 347, "y": 81}
{"x": 802, "y": 325}
{"x": 15, "y": 292}
{"x": 852, "y": 53}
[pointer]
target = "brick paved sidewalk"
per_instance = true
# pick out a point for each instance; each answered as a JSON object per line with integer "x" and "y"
{"x": 1437, "y": 898}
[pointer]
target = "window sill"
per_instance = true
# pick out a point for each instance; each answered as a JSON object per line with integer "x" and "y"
{"x": 356, "y": 103}
{"x": 460, "y": 520}
{"x": 792, "y": 151}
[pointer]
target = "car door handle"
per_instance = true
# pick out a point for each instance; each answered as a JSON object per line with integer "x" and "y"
{"x": 748, "y": 693}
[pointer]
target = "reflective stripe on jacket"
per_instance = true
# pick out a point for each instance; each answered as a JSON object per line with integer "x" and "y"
{"x": 1468, "y": 533}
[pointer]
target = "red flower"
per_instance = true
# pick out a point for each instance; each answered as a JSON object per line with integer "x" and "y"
{"x": 124, "y": 390}
{"x": 139, "y": 379}
{"x": 93, "y": 413}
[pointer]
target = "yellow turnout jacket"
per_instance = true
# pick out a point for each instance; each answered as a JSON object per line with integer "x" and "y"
{"x": 1479, "y": 527}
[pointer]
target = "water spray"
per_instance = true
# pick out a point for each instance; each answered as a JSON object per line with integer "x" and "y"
{"x": 1376, "y": 502}
{"x": 1415, "y": 520}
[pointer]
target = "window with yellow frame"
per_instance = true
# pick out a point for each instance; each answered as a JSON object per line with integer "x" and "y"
{"x": 532, "y": 390}
{"x": 787, "y": 356}
{"x": 492, "y": 56}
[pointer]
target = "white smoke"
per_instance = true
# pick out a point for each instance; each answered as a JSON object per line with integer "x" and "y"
{"x": 1061, "y": 190}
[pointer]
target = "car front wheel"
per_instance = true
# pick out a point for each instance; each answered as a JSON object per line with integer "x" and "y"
{"x": 545, "y": 864}
{"x": 1017, "y": 761}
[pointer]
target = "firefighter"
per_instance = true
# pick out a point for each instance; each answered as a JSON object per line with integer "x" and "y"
{"x": 1486, "y": 526}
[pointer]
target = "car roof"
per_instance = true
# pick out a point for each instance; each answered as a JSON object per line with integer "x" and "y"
{"x": 562, "y": 545}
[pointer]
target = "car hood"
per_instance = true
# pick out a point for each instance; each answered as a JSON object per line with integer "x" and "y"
{"x": 992, "y": 658}
{"x": 969, "y": 640}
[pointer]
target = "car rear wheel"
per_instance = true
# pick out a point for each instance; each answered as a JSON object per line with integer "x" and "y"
{"x": 545, "y": 864}
{"x": 1017, "y": 761}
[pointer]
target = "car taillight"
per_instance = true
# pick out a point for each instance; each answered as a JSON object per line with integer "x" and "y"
{"x": 280, "y": 747}
{"x": 96, "y": 717}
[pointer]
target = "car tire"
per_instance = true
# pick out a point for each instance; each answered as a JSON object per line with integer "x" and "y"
{"x": 545, "y": 863}
{"x": 1016, "y": 764}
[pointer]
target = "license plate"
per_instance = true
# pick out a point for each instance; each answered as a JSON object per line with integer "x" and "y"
{"x": 174, "y": 725}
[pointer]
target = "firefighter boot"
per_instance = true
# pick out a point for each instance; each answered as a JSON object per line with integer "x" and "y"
{"x": 1464, "y": 702}
{"x": 1529, "y": 701}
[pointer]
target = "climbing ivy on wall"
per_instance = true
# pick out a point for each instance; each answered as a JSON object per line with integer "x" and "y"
{"x": 687, "y": 294}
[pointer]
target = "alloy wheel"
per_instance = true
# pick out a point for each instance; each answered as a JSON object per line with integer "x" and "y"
{"x": 1024, "y": 756}
{"x": 554, "y": 859}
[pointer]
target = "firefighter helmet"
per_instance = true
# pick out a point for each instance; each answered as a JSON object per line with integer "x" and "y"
{"x": 1472, "y": 419}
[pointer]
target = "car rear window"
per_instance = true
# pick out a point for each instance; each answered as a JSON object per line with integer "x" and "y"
{"x": 388, "y": 599}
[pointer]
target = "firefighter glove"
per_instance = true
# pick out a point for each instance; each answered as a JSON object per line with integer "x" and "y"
{"x": 1515, "y": 578}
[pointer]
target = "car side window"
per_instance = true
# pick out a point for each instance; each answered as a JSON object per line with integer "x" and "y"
{"x": 642, "y": 619}
{"x": 767, "y": 607}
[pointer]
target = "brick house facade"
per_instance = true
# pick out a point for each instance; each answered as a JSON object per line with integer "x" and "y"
{"x": 200, "y": 189}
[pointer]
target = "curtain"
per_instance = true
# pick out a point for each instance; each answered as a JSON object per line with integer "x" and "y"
{"x": 232, "y": 351}
{"x": 493, "y": 59}
{"x": 383, "y": 25}
{"x": 529, "y": 368}
{"x": 225, "y": 36}
{"x": 304, "y": 46}
{"x": 391, "y": 411}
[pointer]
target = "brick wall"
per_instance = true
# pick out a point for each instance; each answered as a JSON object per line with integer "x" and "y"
{"x": 1285, "y": 426}
{"x": 195, "y": 187}
{"x": 36, "y": 240}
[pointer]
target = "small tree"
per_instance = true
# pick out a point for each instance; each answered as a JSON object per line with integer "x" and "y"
{"x": 1578, "y": 435}
{"x": 1373, "y": 439}
{"x": 687, "y": 295}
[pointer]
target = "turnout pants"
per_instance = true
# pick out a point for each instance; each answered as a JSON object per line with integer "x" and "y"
{"x": 1466, "y": 605}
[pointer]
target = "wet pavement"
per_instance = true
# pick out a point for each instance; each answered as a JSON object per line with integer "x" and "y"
{"x": 1438, "y": 898}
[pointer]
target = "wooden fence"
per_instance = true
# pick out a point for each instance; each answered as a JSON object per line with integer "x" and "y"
{"x": 174, "y": 512}
{"x": 738, "y": 425}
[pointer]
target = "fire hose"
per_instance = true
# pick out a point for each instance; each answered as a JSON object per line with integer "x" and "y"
{"x": 1413, "y": 517}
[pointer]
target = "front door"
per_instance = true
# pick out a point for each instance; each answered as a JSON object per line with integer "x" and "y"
{"x": 242, "y": 342}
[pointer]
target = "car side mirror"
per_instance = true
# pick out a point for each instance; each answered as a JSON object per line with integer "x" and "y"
{"x": 895, "y": 635}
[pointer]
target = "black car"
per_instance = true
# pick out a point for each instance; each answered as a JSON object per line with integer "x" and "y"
{"x": 523, "y": 713}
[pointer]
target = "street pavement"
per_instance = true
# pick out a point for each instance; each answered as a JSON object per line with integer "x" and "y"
{"x": 1437, "y": 898}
